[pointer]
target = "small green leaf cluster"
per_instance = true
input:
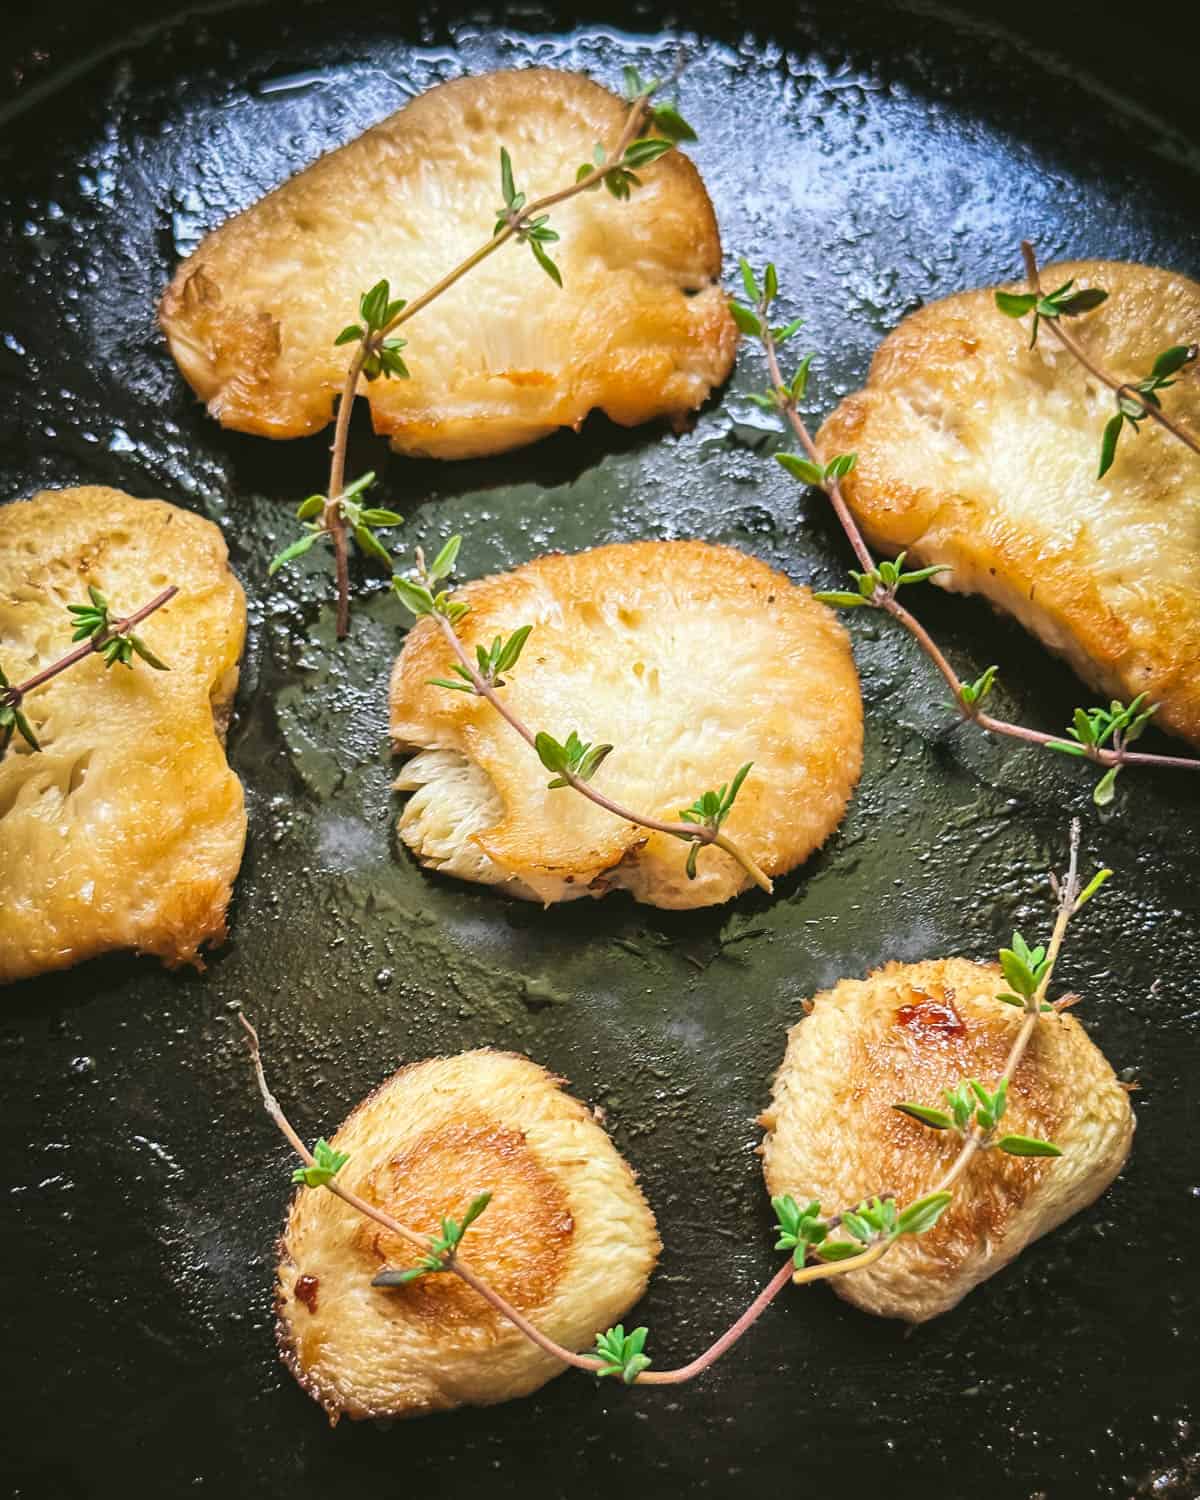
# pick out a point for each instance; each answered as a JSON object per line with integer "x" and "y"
{"x": 93, "y": 621}
{"x": 442, "y": 1248}
{"x": 822, "y": 475}
{"x": 750, "y": 316}
{"x": 800, "y": 1229}
{"x": 971, "y": 1105}
{"x": 535, "y": 232}
{"x": 622, "y": 1353}
{"x": 972, "y": 694}
{"x": 1024, "y": 968}
{"x": 418, "y": 595}
{"x": 616, "y": 179}
{"x": 362, "y": 520}
{"x": 665, "y": 118}
{"x": 779, "y": 397}
{"x": 873, "y": 1219}
{"x": 621, "y": 177}
{"x": 752, "y": 320}
{"x": 326, "y": 1164}
{"x": 12, "y": 719}
{"x": 1094, "y": 728}
{"x": 575, "y": 759}
{"x": 501, "y": 656}
{"x": 971, "y": 1100}
{"x": 1063, "y": 302}
{"x": 803, "y": 1231}
{"x": 709, "y": 811}
{"x": 1131, "y": 411}
{"x": 377, "y": 310}
{"x": 883, "y": 581}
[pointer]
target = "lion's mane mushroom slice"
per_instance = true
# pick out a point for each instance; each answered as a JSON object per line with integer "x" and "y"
{"x": 640, "y": 327}
{"x": 977, "y": 451}
{"x": 691, "y": 659}
{"x": 126, "y": 830}
{"x": 904, "y": 1034}
{"x": 567, "y": 1238}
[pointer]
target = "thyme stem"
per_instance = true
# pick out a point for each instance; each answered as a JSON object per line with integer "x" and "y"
{"x": 1074, "y": 347}
{"x": 694, "y": 832}
{"x": 727, "y": 1340}
{"x": 1033, "y": 1012}
{"x": 12, "y": 696}
{"x": 334, "y": 520}
{"x": 478, "y": 1284}
{"x": 886, "y": 600}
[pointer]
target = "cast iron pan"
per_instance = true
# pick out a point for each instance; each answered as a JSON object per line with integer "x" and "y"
{"x": 883, "y": 157}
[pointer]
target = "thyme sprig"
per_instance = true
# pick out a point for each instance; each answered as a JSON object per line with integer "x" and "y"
{"x": 573, "y": 762}
{"x": 621, "y": 1353}
{"x": 1135, "y": 400}
{"x": 869, "y": 1230}
{"x": 114, "y": 641}
{"x": 377, "y": 351}
{"x": 381, "y": 356}
{"x": 1064, "y": 302}
{"x": 887, "y": 578}
{"x": 501, "y": 656}
{"x": 532, "y": 230}
{"x": 872, "y": 586}
{"x": 363, "y": 522}
{"x": 1093, "y": 728}
{"x": 574, "y": 758}
{"x": 442, "y": 1248}
{"x": 1029, "y": 971}
{"x": 970, "y": 1103}
{"x": 709, "y": 811}
{"x": 973, "y": 1110}
{"x": 1132, "y": 410}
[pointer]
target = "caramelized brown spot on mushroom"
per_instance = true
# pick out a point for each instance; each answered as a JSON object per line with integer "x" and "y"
{"x": 305, "y": 1291}
{"x": 928, "y": 1019}
{"x": 916, "y": 1059}
{"x": 520, "y": 1244}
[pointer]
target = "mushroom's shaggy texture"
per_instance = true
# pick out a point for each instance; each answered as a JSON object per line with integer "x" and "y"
{"x": 126, "y": 829}
{"x": 977, "y": 451}
{"x": 905, "y": 1034}
{"x": 691, "y": 660}
{"x": 640, "y": 327}
{"x": 567, "y": 1238}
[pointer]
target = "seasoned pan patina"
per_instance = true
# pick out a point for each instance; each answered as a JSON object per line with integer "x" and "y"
{"x": 884, "y": 157}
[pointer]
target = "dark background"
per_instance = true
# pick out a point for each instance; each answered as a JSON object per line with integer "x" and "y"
{"x": 883, "y": 156}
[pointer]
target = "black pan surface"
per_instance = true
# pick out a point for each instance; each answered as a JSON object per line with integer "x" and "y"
{"x": 883, "y": 156}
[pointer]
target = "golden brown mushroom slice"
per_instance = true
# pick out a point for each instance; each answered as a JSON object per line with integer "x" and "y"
{"x": 126, "y": 830}
{"x": 568, "y": 1239}
{"x": 640, "y": 328}
{"x": 691, "y": 660}
{"x": 904, "y": 1034}
{"x": 976, "y": 451}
